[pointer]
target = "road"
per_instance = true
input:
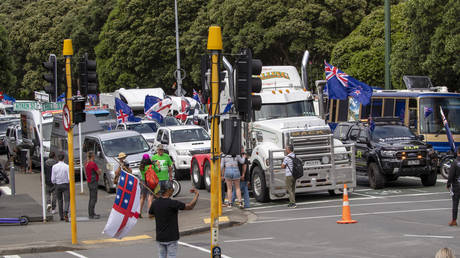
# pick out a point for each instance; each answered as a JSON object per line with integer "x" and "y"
{"x": 403, "y": 220}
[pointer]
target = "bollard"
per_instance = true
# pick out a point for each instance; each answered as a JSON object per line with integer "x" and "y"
{"x": 12, "y": 181}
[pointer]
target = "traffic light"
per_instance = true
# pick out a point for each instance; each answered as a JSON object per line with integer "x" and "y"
{"x": 78, "y": 109}
{"x": 51, "y": 77}
{"x": 246, "y": 84}
{"x": 88, "y": 76}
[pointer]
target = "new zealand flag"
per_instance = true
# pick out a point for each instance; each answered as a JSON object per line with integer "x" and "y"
{"x": 341, "y": 85}
{"x": 124, "y": 112}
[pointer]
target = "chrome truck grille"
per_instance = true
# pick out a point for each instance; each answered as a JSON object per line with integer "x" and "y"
{"x": 309, "y": 148}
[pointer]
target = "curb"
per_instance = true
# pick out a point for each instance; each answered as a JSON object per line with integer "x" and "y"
{"x": 38, "y": 248}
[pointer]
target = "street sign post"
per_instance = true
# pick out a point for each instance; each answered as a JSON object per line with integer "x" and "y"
{"x": 42, "y": 97}
{"x": 66, "y": 118}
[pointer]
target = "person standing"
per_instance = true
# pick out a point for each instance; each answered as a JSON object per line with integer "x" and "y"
{"x": 60, "y": 178}
{"x": 122, "y": 164}
{"x": 231, "y": 173}
{"x": 164, "y": 163}
{"x": 145, "y": 192}
{"x": 92, "y": 177}
{"x": 453, "y": 184}
{"x": 244, "y": 181}
{"x": 288, "y": 165}
{"x": 165, "y": 211}
{"x": 50, "y": 187}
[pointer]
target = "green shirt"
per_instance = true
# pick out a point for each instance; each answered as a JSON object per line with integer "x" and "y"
{"x": 165, "y": 163}
{"x": 145, "y": 170}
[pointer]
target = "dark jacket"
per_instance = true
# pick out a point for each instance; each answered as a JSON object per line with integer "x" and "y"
{"x": 49, "y": 163}
{"x": 454, "y": 176}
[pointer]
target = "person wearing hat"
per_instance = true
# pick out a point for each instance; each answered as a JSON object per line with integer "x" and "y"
{"x": 145, "y": 192}
{"x": 164, "y": 162}
{"x": 122, "y": 164}
{"x": 165, "y": 211}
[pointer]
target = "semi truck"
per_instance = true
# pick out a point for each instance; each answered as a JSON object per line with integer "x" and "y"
{"x": 287, "y": 116}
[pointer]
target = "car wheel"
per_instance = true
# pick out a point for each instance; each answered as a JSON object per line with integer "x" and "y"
{"x": 332, "y": 193}
{"x": 197, "y": 178}
{"x": 259, "y": 186}
{"x": 430, "y": 178}
{"x": 376, "y": 179}
{"x": 176, "y": 187}
{"x": 444, "y": 167}
{"x": 108, "y": 189}
{"x": 207, "y": 175}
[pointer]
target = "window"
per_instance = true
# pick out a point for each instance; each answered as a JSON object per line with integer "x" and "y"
{"x": 166, "y": 137}
{"x": 354, "y": 134}
{"x": 389, "y": 107}
{"x": 376, "y": 108}
{"x": 159, "y": 134}
{"x": 341, "y": 132}
{"x": 189, "y": 135}
{"x": 363, "y": 133}
{"x": 400, "y": 108}
{"x": 343, "y": 110}
{"x": 365, "y": 111}
{"x": 334, "y": 110}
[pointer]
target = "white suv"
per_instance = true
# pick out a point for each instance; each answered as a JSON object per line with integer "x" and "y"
{"x": 182, "y": 142}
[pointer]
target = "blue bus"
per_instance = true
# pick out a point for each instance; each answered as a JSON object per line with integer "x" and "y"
{"x": 409, "y": 106}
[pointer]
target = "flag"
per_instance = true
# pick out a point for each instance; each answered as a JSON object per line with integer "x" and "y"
{"x": 8, "y": 100}
{"x": 427, "y": 111}
{"x": 341, "y": 85}
{"x": 448, "y": 132}
{"x": 228, "y": 107}
{"x": 126, "y": 209}
{"x": 182, "y": 117}
{"x": 61, "y": 98}
{"x": 185, "y": 105}
{"x": 149, "y": 111}
{"x": 92, "y": 99}
{"x": 196, "y": 96}
{"x": 195, "y": 115}
{"x": 163, "y": 106}
{"x": 124, "y": 112}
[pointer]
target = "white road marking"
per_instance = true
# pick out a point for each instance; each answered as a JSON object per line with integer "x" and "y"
{"x": 353, "y": 205}
{"x": 352, "y": 199}
{"x": 76, "y": 254}
{"x": 418, "y": 190}
{"x": 6, "y": 190}
{"x": 200, "y": 248}
{"x": 442, "y": 180}
{"x": 363, "y": 190}
{"x": 249, "y": 239}
{"x": 356, "y": 214}
{"x": 365, "y": 195}
{"x": 12, "y": 256}
{"x": 428, "y": 236}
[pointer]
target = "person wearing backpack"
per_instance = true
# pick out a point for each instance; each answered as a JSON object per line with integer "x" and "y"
{"x": 288, "y": 165}
{"x": 145, "y": 193}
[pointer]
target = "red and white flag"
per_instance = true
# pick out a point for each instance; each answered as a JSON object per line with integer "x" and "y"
{"x": 126, "y": 209}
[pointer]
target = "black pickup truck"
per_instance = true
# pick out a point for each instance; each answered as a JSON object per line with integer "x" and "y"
{"x": 388, "y": 151}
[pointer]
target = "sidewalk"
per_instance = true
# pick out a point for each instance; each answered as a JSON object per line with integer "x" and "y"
{"x": 56, "y": 235}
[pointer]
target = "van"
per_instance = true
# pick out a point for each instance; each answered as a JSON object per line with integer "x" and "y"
{"x": 30, "y": 124}
{"x": 59, "y": 137}
{"x": 107, "y": 145}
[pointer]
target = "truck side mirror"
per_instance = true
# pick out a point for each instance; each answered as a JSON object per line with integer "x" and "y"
{"x": 421, "y": 137}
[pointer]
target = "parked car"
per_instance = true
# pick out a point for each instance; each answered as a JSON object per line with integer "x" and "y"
{"x": 388, "y": 151}
{"x": 107, "y": 145}
{"x": 4, "y": 124}
{"x": 182, "y": 142}
{"x": 148, "y": 128}
{"x": 202, "y": 120}
{"x": 13, "y": 140}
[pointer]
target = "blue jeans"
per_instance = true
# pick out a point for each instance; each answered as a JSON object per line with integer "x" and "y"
{"x": 167, "y": 249}
{"x": 244, "y": 193}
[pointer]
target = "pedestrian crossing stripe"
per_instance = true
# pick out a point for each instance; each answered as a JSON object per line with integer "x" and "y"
{"x": 221, "y": 219}
{"x": 6, "y": 190}
{"x": 112, "y": 240}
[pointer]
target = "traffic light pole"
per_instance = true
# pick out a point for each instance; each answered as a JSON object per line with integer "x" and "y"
{"x": 68, "y": 52}
{"x": 215, "y": 46}
{"x": 56, "y": 79}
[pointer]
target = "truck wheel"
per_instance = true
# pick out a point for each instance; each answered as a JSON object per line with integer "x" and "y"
{"x": 376, "y": 179}
{"x": 259, "y": 186}
{"x": 197, "y": 179}
{"x": 108, "y": 189}
{"x": 444, "y": 167}
{"x": 429, "y": 179}
{"x": 207, "y": 175}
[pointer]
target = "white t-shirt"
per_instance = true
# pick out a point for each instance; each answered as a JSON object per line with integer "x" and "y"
{"x": 288, "y": 162}
{"x": 229, "y": 161}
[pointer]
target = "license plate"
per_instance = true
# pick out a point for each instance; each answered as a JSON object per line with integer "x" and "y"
{"x": 413, "y": 162}
{"x": 312, "y": 163}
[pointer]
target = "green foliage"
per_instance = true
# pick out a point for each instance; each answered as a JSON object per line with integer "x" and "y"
{"x": 7, "y": 79}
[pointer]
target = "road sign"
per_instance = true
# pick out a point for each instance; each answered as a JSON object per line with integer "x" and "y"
{"x": 66, "y": 118}
{"x": 25, "y": 106}
{"x": 216, "y": 252}
{"x": 50, "y": 106}
{"x": 43, "y": 97}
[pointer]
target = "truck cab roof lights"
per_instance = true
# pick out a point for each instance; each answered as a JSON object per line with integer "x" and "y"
{"x": 287, "y": 90}
{"x": 274, "y": 92}
{"x": 280, "y": 91}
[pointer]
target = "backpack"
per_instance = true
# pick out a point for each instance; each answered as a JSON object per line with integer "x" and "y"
{"x": 297, "y": 167}
{"x": 151, "y": 178}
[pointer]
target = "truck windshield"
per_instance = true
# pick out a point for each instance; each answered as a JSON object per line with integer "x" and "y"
{"x": 392, "y": 132}
{"x": 170, "y": 121}
{"x": 189, "y": 135}
{"x": 47, "y": 131}
{"x": 281, "y": 110}
{"x": 141, "y": 128}
{"x": 128, "y": 145}
{"x": 431, "y": 121}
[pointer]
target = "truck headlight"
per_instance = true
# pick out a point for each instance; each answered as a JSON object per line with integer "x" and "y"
{"x": 276, "y": 162}
{"x": 183, "y": 152}
{"x": 325, "y": 159}
{"x": 340, "y": 156}
{"x": 389, "y": 154}
{"x": 109, "y": 166}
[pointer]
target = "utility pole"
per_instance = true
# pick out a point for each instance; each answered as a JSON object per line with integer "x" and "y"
{"x": 387, "y": 45}
{"x": 68, "y": 52}
{"x": 215, "y": 46}
{"x": 178, "y": 71}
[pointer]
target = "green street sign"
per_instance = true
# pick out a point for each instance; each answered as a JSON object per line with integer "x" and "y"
{"x": 50, "y": 106}
{"x": 25, "y": 106}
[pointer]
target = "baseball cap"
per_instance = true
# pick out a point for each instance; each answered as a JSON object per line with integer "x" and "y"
{"x": 146, "y": 156}
{"x": 160, "y": 147}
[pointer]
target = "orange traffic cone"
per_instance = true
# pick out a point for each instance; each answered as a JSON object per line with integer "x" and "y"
{"x": 346, "y": 216}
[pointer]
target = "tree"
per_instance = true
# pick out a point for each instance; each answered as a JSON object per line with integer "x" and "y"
{"x": 7, "y": 79}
